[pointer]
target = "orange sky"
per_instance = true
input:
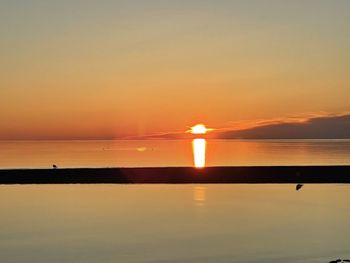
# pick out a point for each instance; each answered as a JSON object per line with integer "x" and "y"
{"x": 108, "y": 70}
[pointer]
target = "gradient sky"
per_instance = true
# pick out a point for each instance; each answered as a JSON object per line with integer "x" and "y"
{"x": 108, "y": 69}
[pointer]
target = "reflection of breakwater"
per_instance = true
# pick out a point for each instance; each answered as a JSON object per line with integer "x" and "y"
{"x": 199, "y": 146}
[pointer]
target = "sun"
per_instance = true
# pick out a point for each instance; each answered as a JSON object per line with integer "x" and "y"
{"x": 199, "y": 129}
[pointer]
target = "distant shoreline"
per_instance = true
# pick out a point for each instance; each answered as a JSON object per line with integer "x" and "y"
{"x": 180, "y": 175}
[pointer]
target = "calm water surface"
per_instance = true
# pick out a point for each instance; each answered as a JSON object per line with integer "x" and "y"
{"x": 42, "y": 154}
{"x": 174, "y": 223}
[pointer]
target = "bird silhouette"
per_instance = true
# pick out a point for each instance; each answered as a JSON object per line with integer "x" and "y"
{"x": 54, "y": 166}
{"x": 298, "y": 187}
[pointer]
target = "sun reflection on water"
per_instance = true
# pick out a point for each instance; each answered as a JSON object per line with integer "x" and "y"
{"x": 199, "y": 195}
{"x": 199, "y": 147}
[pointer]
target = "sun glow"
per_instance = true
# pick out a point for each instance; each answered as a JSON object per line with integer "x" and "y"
{"x": 199, "y": 129}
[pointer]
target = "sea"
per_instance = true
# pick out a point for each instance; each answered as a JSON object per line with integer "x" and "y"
{"x": 155, "y": 153}
{"x": 243, "y": 223}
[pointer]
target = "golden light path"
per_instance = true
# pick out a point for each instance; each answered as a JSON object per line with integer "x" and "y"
{"x": 199, "y": 145}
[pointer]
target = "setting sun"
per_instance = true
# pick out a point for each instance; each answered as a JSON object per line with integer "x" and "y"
{"x": 199, "y": 129}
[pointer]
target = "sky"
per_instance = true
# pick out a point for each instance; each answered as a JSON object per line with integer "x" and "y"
{"x": 103, "y": 69}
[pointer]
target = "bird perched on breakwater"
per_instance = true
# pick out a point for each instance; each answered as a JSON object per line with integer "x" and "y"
{"x": 54, "y": 166}
{"x": 298, "y": 187}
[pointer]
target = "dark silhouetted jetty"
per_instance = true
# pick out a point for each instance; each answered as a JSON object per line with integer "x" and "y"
{"x": 180, "y": 175}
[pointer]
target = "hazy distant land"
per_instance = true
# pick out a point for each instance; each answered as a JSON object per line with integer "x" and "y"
{"x": 330, "y": 127}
